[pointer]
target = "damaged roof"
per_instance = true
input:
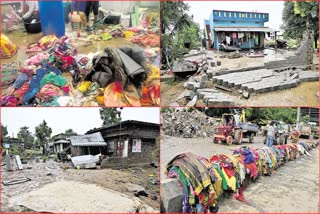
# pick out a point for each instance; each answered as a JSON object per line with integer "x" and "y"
{"x": 94, "y": 139}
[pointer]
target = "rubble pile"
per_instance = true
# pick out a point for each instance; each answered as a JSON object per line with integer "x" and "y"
{"x": 187, "y": 124}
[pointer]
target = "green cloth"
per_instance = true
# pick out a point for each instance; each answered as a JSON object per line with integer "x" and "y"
{"x": 224, "y": 181}
{"x": 106, "y": 36}
{"x": 54, "y": 79}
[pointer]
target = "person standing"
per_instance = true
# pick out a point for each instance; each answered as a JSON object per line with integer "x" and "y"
{"x": 270, "y": 135}
{"x": 94, "y": 6}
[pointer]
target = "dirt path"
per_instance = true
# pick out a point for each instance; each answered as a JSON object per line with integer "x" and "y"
{"x": 45, "y": 173}
{"x": 293, "y": 188}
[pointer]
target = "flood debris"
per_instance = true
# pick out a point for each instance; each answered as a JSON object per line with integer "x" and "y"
{"x": 187, "y": 125}
{"x": 241, "y": 168}
{"x": 15, "y": 181}
{"x": 69, "y": 70}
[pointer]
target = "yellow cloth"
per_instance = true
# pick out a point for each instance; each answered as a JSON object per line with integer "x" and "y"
{"x": 218, "y": 184}
{"x": 231, "y": 182}
{"x": 8, "y": 49}
{"x": 83, "y": 87}
{"x": 128, "y": 34}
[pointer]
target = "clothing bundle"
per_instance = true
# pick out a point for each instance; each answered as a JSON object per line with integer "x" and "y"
{"x": 115, "y": 77}
{"x": 203, "y": 181}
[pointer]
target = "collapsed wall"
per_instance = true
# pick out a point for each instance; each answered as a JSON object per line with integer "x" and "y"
{"x": 302, "y": 56}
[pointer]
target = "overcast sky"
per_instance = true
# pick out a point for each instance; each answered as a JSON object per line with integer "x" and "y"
{"x": 202, "y": 9}
{"x": 60, "y": 119}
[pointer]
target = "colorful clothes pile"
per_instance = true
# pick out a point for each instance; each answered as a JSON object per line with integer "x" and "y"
{"x": 203, "y": 180}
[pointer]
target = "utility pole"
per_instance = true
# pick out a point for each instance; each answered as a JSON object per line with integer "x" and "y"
{"x": 298, "y": 117}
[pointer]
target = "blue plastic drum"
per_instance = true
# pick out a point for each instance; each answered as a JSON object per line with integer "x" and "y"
{"x": 52, "y": 18}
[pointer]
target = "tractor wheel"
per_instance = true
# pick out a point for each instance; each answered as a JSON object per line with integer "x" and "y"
{"x": 251, "y": 138}
{"x": 229, "y": 140}
{"x": 238, "y": 136}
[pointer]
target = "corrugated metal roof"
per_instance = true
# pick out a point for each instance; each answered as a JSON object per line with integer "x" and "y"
{"x": 94, "y": 139}
{"x": 244, "y": 29}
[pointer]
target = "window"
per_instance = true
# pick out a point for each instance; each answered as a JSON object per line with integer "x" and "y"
{"x": 235, "y": 15}
{"x": 219, "y": 14}
{"x": 136, "y": 145}
{"x": 255, "y": 15}
{"x": 250, "y": 15}
{"x": 229, "y": 14}
{"x": 225, "y": 14}
{"x": 259, "y": 16}
{"x": 263, "y": 16}
{"x": 246, "y": 15}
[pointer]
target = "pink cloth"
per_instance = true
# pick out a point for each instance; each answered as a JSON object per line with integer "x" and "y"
{"x": 234, "y": 35}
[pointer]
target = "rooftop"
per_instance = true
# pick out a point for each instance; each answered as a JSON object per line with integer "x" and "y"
{"x": 94, "y": 139}
{"x": 123, "y": 123}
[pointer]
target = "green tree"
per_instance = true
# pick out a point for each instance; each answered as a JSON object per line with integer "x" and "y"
{"x": 43, "y": 134}
{"x": 178, "y": 29}
{"x": 110, "y": 116}
{"x": 26, "y": 137}
{"x": 70, "y": 132}
{"x": 4, "y": 132}
{"x": 261, "y": 116}
{"x": 295, "y": 17}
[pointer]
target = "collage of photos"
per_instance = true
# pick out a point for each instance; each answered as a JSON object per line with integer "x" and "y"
{"x": 159, "y": 106}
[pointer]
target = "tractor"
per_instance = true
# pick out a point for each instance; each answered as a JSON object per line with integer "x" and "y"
{"x": 228, "y": 131}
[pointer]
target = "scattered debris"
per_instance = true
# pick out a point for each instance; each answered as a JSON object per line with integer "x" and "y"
{"x": 187, "y": 125}
{"x": 16, "y": 181}
{"x": 85, "y": 161}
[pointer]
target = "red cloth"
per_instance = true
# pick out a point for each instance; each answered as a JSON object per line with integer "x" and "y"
{"x": 253, "y": 169}
{"x": 19, "y": 93}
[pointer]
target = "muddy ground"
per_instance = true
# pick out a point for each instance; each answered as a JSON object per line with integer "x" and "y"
{"x": 293, "y": 187}
{"x": 306, "y": 94}
{"x": 49, "y": 172}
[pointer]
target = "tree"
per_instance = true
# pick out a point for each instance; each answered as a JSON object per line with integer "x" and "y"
{"x": 70, "y": 132}
{"x": 43, "y": 133}
{"x": 261, "y": 116}
{"x": 4, "y": 132}
{"x": 178, "y": 29}
{"x": 295, "y": 17}
{"x": 110, "y": 116}
{"x": 26, "y": 137}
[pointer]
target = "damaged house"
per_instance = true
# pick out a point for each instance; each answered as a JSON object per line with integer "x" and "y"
{"x": 60, "y": 143}
{"x": 88, "y": 144}
{"x": 234, "y": 30}
{"x": 128, "y": 143}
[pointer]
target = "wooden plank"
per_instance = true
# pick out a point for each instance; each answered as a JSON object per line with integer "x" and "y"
{"x": 20, "y": 166}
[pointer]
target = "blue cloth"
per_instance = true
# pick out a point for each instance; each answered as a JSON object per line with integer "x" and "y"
{"x": 248, "y": 156}
{"x": 20, "y": 80}
{"x": 35, "y": 82}
{"x": 34, "y": 85}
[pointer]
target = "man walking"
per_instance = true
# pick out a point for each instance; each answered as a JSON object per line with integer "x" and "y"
{"x": 270, "y": 135}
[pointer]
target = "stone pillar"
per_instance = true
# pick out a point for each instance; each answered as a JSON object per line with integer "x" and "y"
{"x": 171, "y": 196}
